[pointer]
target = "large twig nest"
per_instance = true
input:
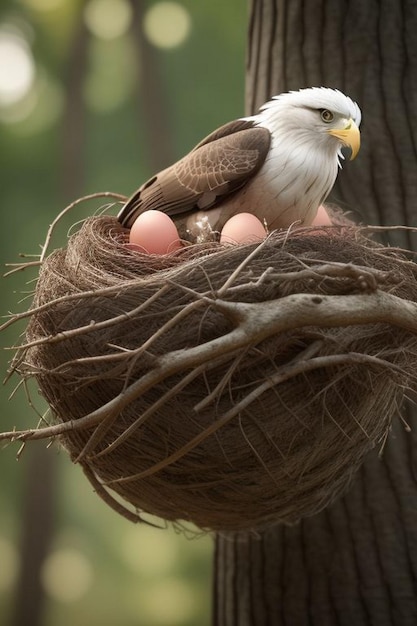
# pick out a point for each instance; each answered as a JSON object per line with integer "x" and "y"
{"x": 233, "y": 387}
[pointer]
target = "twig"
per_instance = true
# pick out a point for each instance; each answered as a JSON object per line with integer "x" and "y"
{"x": 18, "y": 267}
{"x": 98, "y": 434}
{"x": 282, "y": 375}
{"x": 254, "y": 323}
{"x": 92, "y": 196}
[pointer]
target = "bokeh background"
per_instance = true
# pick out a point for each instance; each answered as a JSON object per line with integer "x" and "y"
{"x": 96, "y": 96}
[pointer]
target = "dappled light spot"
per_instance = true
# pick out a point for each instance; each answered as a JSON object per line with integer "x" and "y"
{"x": 167, "y": 24}
{"x": 67, "y": 575}
{"x": 40, "y": 109}
{"x": 149, "y": 551}
{"x": 108, "y": 19}
{"x": 17, "y": 68}
{"x": 44, "y": 5}
{"x": 111, "y": 74}
{"x": 9, "y": 560}
{"x": 169, "y": 601}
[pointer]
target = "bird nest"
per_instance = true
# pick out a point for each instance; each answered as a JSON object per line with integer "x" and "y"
{"x": 231, "y": 386}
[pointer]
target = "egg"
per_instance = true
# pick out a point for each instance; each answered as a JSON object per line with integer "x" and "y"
{"x": 322, "y": 218}
{"x": 154, "y": 232}
{"x": 243, "y": 228}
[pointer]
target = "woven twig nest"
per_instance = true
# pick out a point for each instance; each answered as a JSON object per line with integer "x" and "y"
{"x": 233, "y": 387}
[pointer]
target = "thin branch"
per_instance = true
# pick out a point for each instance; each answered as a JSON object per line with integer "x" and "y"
{"x": 254, "y": 323}
{"x": 19, "y": 267}
{"x": 105, "y": 291}
{"x": 284, "y": 373}
{"x": 92, "y": 196}
{"x": 171, "y": 393}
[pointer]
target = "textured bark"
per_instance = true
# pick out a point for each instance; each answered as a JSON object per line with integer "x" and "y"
{"x": 355, "y": 563}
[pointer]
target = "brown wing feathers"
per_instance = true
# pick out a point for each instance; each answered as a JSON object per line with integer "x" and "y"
{"x": 218, "y": 166}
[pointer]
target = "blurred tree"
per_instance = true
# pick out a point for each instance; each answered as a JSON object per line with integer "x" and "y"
{"x": 37, "y": 533}
{"x": 73, "y": 142}
{"x": 152, "y": 100}
{"x": 356, "y": 562}
{"x": 83, "y": 125}
{"x": 38, "y": 526}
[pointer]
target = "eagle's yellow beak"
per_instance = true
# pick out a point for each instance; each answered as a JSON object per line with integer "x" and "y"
{"x": 349, "y": 136}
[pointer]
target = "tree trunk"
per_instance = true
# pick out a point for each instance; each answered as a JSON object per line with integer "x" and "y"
{"x": 38, "y": 521}
{"x": 355, "y": 563}
{"x": 152, "y": 99}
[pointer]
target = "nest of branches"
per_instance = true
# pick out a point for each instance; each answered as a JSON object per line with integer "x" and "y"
{"x": 230, "y": 386}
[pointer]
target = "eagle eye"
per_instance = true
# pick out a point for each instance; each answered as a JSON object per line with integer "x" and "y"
{"x": 326, "y": 115}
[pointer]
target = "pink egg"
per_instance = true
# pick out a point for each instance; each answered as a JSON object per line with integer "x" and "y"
{"x": 155, "y": 233}
{"x": 243, "y": 228}
{"x": 322, "y": 218}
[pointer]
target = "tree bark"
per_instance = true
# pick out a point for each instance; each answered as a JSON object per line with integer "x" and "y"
{"x": 355, "y": 564}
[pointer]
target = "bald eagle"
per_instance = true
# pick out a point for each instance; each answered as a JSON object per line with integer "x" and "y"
{"x": 279, "y": 164}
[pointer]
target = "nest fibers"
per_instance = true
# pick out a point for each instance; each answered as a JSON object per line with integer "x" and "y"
{"x": 234, "y": 387}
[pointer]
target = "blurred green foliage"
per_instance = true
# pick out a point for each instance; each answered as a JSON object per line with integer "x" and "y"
{"x": 71, "y": 123}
